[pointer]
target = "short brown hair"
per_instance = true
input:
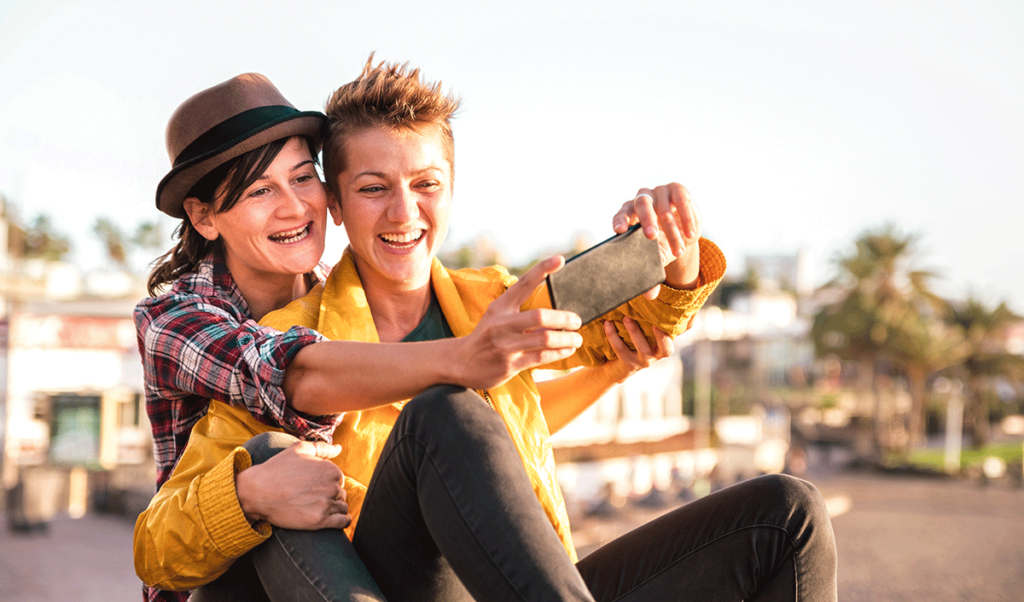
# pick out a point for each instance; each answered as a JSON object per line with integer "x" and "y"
{"x": 384, "y": 96}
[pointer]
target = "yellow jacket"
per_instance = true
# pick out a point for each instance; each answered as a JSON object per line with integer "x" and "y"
{"x": 194, "y": 527}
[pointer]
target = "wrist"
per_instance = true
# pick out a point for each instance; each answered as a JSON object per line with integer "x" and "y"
{"x": 245, "y": 488}
{"x": 684, "y": 272}
{"x": 614, "y": 372}
{"x": 453, "y": 369}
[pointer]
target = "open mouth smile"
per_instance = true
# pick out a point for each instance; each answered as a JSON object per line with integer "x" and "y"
{"x": 402, "y": 240}
{"x": 292, "y": 236}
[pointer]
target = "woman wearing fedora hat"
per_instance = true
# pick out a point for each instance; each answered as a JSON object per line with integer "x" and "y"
{"x": 254, "y": 213}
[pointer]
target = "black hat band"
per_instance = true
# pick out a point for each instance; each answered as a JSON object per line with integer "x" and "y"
{"x": 227, "y": 131}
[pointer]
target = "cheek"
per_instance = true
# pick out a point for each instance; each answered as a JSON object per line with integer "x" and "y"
{"x": 441, "y": 212}
{"x": 358, "y": 221}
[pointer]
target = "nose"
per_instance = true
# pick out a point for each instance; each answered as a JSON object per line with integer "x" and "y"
{"x": 404, "y": 206}
{"x": 290, "y": 203}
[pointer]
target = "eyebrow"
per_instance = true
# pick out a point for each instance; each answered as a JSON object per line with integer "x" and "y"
{"x": 294, "y": 167}
{"x": 381, "y": 174}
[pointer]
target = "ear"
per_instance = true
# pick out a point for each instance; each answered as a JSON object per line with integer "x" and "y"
{"x": 334, "y": 206}
{"x": 199, "y": 214}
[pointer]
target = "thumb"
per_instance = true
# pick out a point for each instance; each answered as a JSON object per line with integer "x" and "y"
{"x": 518, "y": 293}
{"x": 327, "y": 451}
{"x": 317, "y": 449}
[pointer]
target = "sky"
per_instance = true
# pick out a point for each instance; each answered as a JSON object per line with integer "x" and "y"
{"x": 795, "y": 125}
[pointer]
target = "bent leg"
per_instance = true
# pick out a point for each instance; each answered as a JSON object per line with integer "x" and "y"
{"x": 239, "y": 584}
{"x": 307, "y": 565}
{"x": 765, "y": 539}
{"x": 450, "y": 511}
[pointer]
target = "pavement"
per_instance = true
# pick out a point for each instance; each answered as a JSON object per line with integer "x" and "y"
{"x": 917, "y": 538}
{"x": 87, "y": 560}
{"x": 899, "y": 538}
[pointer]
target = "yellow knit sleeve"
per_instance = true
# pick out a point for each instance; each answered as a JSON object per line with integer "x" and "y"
{"x": 222, "y": 514}
{"x": 194, "y": 528}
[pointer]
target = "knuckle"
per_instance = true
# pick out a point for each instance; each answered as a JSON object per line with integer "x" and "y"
{"x": 550, "y": 338}
{"x": 538, "y": 317}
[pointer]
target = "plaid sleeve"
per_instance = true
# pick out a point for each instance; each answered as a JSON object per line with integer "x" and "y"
{"x": 197, "y": 347}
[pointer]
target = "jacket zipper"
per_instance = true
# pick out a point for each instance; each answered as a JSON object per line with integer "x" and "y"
{"x": 487, "y": 398}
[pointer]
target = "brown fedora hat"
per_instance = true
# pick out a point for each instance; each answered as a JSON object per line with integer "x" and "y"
{"x": 223, "y": 122}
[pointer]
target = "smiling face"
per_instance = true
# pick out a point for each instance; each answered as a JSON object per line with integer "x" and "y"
{"x": 276, "y": 230}
{"x": 396, "y": 194}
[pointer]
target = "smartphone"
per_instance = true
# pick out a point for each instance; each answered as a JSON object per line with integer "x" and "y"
{"x": 607, "y": 275}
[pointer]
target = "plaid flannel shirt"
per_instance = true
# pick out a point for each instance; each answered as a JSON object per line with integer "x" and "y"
{"x": 198, "y": 342}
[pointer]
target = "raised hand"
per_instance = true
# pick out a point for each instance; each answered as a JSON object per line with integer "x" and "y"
{"x": 670, "y": 215}
{"x": 299, "y": 488}
{"x": 507, "y": 341}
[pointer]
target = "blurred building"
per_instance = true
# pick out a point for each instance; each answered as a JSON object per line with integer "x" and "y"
{"x": 72, "y": 416}
{"x": 709, "y": 412}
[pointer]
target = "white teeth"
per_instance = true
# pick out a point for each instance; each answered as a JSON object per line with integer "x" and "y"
{"x": 401, "y": 238}
{"x": 291, "y": 235}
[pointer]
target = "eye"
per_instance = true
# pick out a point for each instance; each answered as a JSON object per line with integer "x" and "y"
{"x": 428, "y": 184}
{"x": 258, "y": 192}
{"x": 372, "y": 189}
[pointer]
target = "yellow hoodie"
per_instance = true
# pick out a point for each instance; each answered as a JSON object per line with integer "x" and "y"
{"x": 194, "y": 528}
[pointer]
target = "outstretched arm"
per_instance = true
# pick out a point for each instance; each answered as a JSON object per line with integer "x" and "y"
{"x": 341, "y": 376}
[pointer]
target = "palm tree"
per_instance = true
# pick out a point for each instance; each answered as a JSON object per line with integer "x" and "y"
{"x": 42, "y": 240}
{"x": 986, "y": 359}
{"x": 114, "y": 240}
{"x": 921, "y": 346}
{"x": 886, "y": 311}
{"x": 149, "y": 236}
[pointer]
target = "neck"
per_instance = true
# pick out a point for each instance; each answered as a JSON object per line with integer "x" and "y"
{"x": 264, "y": 295}
{"x": 396, "y": 311}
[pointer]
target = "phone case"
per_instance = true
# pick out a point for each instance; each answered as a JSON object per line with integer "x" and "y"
{"x": 607, "y": 275}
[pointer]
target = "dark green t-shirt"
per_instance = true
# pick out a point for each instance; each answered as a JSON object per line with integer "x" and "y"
{"x": 433, "y": 326}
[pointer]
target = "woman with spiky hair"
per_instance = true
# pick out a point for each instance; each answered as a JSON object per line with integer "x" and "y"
{"x": 253, "y": 212}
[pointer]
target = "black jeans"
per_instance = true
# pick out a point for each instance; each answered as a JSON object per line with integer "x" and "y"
{"x": 450, "y": 515}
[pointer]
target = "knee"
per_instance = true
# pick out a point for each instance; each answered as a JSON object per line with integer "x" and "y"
{"x": 264, "y": 446}
{"x": 794, "y": 496}
{"x": 804, "y": 512}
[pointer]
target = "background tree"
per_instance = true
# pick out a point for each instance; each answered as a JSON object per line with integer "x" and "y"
{"x": 986, "y": 359}
{"x": 922, "y": 345}
{"x": 114, "y": 240}
{"x": 149, "y": 236}
{"x": 884, "y": 311}
{"x": 41, "y": 240}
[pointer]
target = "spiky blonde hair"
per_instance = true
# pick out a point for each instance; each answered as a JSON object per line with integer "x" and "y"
{"x": 388, "y": 95}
